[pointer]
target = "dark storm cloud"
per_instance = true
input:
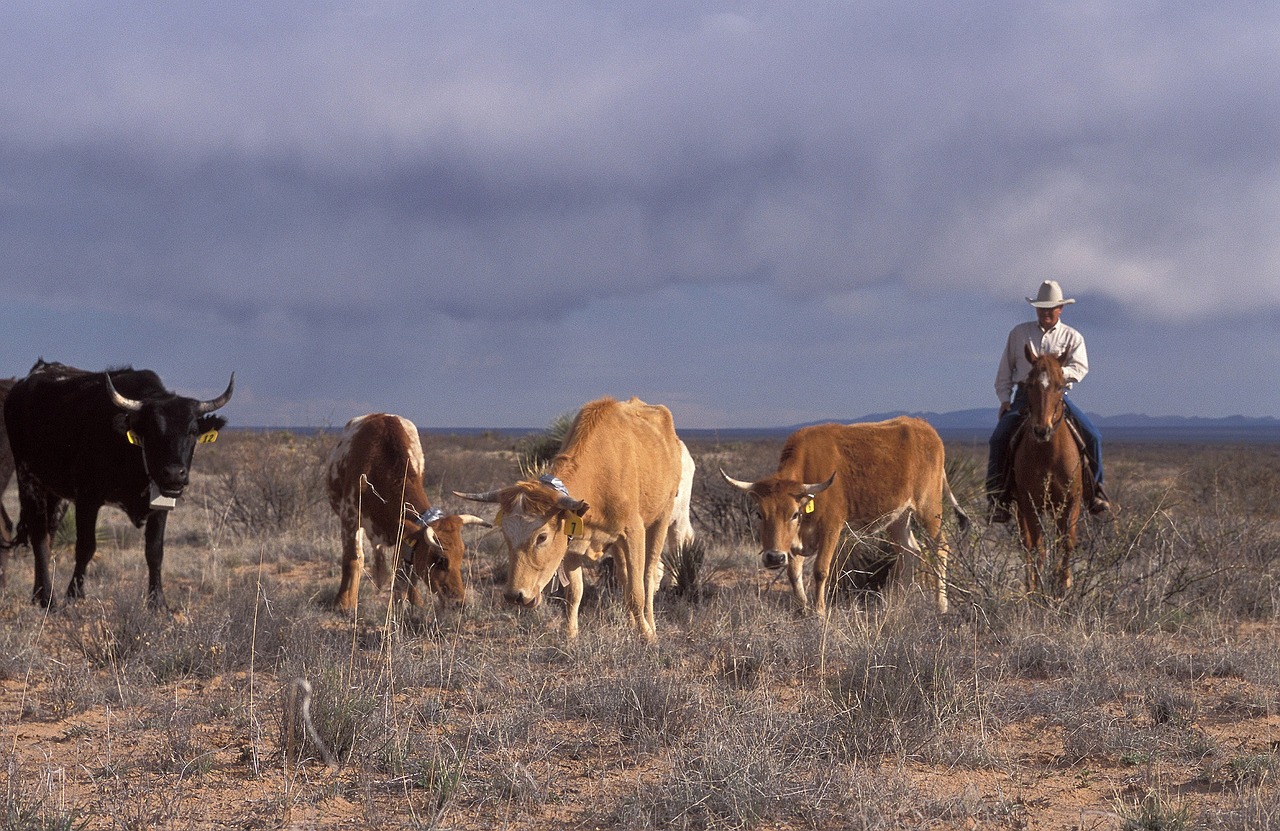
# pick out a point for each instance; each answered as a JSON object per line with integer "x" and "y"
{"x": 312, "y": 170}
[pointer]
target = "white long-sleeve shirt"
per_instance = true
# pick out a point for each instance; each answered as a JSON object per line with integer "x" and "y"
{"x": 1014, "y": 365}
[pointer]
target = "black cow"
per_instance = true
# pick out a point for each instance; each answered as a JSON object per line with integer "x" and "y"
{"x": 6, "y": 473}
{"x": 101, "y": 438}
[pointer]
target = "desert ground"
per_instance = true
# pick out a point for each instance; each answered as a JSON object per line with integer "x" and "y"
{"x": 1148, "y": 698}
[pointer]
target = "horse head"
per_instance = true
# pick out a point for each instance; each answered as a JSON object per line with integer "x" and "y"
{"x": 1045, "y": 387}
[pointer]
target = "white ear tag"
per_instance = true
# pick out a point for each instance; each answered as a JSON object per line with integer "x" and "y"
{"x": 133, "y": 437}
{"x": 573, "y": 525}
{"x": 208, "y": 437}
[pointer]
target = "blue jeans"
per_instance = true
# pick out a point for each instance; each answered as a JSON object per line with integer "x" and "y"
{"x": 998, "y": 447}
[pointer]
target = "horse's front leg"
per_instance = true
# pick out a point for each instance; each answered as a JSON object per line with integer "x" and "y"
{"x": 1068, "y": 528}
{"x": 1032, "y": 536}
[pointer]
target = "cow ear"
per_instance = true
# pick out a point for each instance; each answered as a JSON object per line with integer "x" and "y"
{"x": 209, "y": 422}
{"x": 120, "y": 421}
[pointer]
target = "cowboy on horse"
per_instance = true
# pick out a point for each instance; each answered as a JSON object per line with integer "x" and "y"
{"x": 1046, "y": 334}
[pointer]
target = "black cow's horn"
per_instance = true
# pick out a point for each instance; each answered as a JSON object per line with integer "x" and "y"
{"x": 221, "y": 401}
{"x": 119, "y": 400}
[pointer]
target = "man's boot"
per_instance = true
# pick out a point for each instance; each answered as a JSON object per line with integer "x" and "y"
{"x": 1098, "y": 503}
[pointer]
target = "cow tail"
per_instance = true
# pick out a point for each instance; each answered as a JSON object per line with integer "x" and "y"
{"x": 962, "y": 519}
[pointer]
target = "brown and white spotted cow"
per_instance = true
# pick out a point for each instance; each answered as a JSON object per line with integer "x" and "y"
{"x": 873, "y": 478}
{"x": 611, "y": 487}
{"x": 375, "y": 487}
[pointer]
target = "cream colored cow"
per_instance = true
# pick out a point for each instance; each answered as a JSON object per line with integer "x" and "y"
{"x": 612, "y": 486}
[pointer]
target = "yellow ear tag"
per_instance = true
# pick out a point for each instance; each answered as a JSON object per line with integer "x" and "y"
{"x": 808, "y": 507}
{"x": 573, "y": 525}
{"x": 497, "y": 519}
{"x": 132, "y": 437}
{"x": 208, "y": 437}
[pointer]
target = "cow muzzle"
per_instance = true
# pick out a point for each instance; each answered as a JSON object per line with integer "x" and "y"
{"x": 774, "y": 558}
{"x": 522, "y": 598}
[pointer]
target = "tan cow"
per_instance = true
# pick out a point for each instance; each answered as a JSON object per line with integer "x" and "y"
{"x": 375, "y": 487}
{"x": 612, "y": 486}
{"x": 872, "y": 478}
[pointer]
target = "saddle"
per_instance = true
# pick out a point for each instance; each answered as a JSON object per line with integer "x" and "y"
{"x": 1089, "y": 480}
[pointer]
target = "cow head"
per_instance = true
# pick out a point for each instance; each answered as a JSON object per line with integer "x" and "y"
{"x": 438, "y": 551}
{"x": 166, "y": 428}
{"x": 781, "y": 505}
{"x": 536, "y": 520}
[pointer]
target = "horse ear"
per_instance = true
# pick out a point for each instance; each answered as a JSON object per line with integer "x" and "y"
{"x": 1031, "y": 351}
{"x": 1062, "y": 357}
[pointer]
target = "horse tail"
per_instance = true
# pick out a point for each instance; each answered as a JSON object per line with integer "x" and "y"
{"x": 962, "y": 519}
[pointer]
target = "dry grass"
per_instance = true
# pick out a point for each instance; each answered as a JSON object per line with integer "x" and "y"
{"x": 1148, "y": 698}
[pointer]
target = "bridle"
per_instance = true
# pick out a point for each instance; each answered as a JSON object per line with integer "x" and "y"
{"x": 1056, "y": 420}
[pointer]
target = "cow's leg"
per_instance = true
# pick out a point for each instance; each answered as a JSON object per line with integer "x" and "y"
{"x": 632, "y": 578}
{"x": 352, "y": 566}
{"x": 936, "y": 562}
{"x": 908, "y": 568}
{"x": 154, "y": 536}
{"x": 655, "y": 541}
{"x": 573, "y": 592}
{"x": 41, "y": 512}
{"x": 795, "y": 576}
{"x": 6, "y": 541}
{"x": 827, "y": 543}
{"x": 87, "y": 545}
{"x": 405, "y": 586}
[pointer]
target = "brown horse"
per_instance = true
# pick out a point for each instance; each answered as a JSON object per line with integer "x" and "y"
{"x": 1047, "y": 473}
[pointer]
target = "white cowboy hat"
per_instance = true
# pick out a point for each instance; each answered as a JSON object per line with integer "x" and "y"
{"x": 1049, "y": 296}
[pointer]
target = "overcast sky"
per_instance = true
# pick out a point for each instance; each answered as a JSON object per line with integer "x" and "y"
{"x": 487, "y": 214}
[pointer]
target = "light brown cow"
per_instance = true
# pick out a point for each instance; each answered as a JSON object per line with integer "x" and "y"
{"x": 375, "y": 487}
{"x": 612, "y": 486}
{"x": 872, "y": 478}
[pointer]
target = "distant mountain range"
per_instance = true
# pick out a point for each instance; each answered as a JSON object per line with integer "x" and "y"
{"x": 984, "y": 418}
{"x": 976, "y": 425}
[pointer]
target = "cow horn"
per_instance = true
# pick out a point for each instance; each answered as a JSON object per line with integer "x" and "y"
{"x": 740, "y": 485}
{"x": 819, "y": 487}
{"x": 568, "y": 503}
{"x": 119, "y": 400}
{"x": 487, "y": 496}
{"x": 221, "y": 401}
{"x": 472, "y": 519}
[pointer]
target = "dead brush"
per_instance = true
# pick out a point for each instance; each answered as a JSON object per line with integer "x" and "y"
{"x": 534, "y": 453}
{"x": 896, "y": 691}
{"x": 270, "y": 481}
